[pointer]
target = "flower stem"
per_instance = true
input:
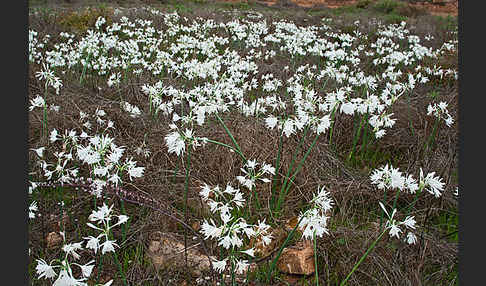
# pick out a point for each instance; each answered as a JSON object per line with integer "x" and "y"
{"x": 287, "y": 176}
{"x": 356, "y": 137}
{"x": 186, "y": 189}
{"x": 414, "y": 201}
{"x": 274, "y": 261}
{"x": 362, "y": 258}
{"x": 277, "y": 165}
{"x": 315, "y": 258}
{"x": 227, "y": 146}
{"x": 284, "y": 193}
{"x": 229, "y": 134}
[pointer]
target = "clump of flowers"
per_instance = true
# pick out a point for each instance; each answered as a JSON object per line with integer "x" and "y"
{"x": 314, "y": 220}
{"x": 103, "y": 217}
{"x": 393, "y": 225}
{"x": 230, "y": 229}
{"x": 252, "y": 174}
{"x": 65, "y": 276}
{"x": 440, "y": 112}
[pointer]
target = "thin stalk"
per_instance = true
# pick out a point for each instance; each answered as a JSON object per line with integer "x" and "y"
{"x": 186, "y": 189}
{"x": 227, "y": 146}
{"x": 365, "y": 136}
{"x": 409, "y": 118}
{"x": 362, "y": 258}
{"x": 44, "y": 121}
{"x": 150, "y": 104}
{"x": 277, "y": 165}
{"x": 126, "y": 225}
{"x": 432, "y": 136}
{"x": 413, "y": 202}
{"x": 333, "y": 115}
{"x": 100, "y": 268}
{"x": 255, "y": 194}
{"x": 233, "y": 280}
{"x": 396, "y": 198}
{"x": 356, "y": 137}
{"x": 120, "y": 269}
{"x": 286, "y": 180}
{"x": 84, "y": 69}
{"x": 315, "y": 258}
{"x": 382, "y": 212}
{"x": 274, "y": 261}
{"x": 299, "y": 167}
{"x": 229, "y": 134}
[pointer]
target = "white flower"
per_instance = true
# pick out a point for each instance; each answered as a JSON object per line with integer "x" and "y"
{"x": 348, "y": 108}
{"x": 210, "y": 230}
{"x": 64, "y": 279}
{"x": 93, "y": 243}
{"x": 71, "y": 249}
{"x": 219, "y": 265}
{"x": 136, "y": 172}
{"x": 53, "y": 136}
{"x": 44, "y": 270}
{"x": 314, "y": 220}
{"x": 271, "y": 122}
{"x": 289, "y": 127}
{"x": 409, "y": 222}
{"x": 108, "y": 246}
{"x": 411, "y": 184}
{"x": 241, "y": 266}
{"x": 175, "y": 143}
{"x": 267, "y": 168}
{"x": 38, "y": 101}
{"x": 411, "y": 238}
{"x": 394, "y": 230}
{"x": 432, "y": 184}
{"x": 102, "y": 214}
{"x": 204, "y": 193}
{"x": 87, "y": 268}
{"x": 122, "y": 219}
{"x": 250, "y": 251}
{"x": 32, "y": 209}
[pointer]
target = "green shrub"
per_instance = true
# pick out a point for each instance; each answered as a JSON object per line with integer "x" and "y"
{"x": 387, "y": 6}
{"x": 81, "y": 21}
{"x": 394, "y": 18}
{"x": 363, "y": 4}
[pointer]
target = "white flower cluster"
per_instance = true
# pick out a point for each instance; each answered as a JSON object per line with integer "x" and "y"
{"x": 99, "y": 153}
{"x": 103, "y": 217}
{"x": 193, "y": 51}
{"x": 176, "y": 140}
{"x": 391, "y": 178}
{"x": 232, "y": 229}
{"x": 440, "y": 111}
{"x": 65, "y": 276}
{"x": 394, "y": 226}
{"x": 314, "y": 220}
{"x": 51, "y": 80}
{"x": 252, "y": 175}
{"x": 132, "y": 109}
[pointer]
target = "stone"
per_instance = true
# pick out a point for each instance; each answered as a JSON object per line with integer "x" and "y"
{"x": 167, "y": 250}
{"x": 53, "y": 239}
{"x": 297, "y": 259}
{"x": 54, "y": 223}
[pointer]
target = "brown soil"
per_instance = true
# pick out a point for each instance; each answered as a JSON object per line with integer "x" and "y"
{"x": 439, "y": 7}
